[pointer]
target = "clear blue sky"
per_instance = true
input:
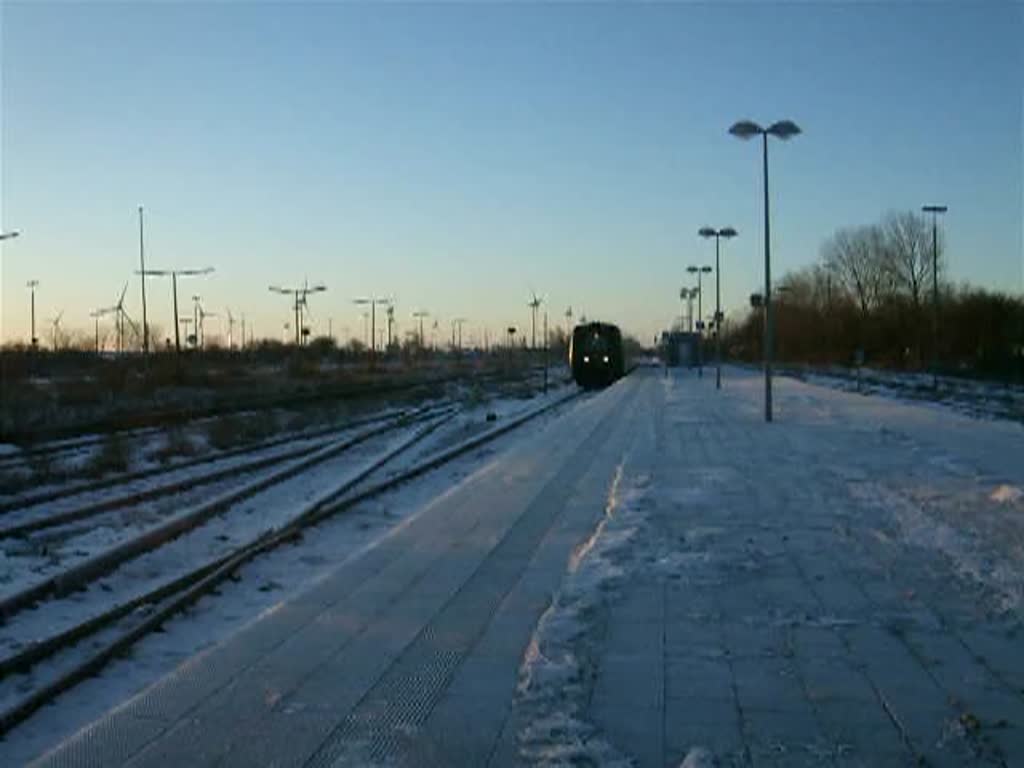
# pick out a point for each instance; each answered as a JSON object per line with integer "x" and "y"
{"x": 456, "y": 156}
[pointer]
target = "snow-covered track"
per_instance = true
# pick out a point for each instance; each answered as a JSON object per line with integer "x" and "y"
{"x": 172, "y": 597}
{"x": 78, "y": 576}
{"x": 186, "y": 480}
{"x": 31, "y": 499}
{"x": 127, "y": 426}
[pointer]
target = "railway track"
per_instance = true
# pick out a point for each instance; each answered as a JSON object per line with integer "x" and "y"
{"x": 139, "y": 486}
{"x": 66, "y": 581}
{"x": 101, "y": 431}
{"x": 116, "y": 628}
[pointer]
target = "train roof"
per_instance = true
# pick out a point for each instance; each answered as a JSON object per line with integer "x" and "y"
{"x": 596, "y": 324}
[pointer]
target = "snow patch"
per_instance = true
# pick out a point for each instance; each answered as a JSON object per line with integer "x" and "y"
{"x": 1006, "y": 494}
{"x": 699, "y": 757}
{"x": 557, "y": 671}
{"x": 920, "y": 529}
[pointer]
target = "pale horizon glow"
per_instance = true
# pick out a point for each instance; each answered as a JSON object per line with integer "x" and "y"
{"x": 457, "y": 158}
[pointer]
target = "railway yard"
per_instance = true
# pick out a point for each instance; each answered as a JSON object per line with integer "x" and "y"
{"x": 637, "y": 576}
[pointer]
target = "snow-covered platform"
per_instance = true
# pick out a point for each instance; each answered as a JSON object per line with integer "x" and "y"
{"x": 656, "y": 574}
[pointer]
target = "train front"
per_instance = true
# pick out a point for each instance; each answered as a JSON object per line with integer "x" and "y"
{"x": 595, "y": 355}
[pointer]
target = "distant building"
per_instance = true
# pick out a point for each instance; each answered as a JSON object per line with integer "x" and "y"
{"x": 680, "y": 348}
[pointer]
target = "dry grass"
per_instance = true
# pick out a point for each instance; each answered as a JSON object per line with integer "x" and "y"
{"x": 113, "y": 456}
{"x": 176, "y": 445}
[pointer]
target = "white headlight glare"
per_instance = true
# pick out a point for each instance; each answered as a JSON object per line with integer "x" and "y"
{"x": 586, "y": 358}
{"x": 606, "y": 358}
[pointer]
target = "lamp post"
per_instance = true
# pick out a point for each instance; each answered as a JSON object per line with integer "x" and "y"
{"x": 457, "y": 324}
{"x": 373, "y": 321}
{"x": 718, "y": 234}
{"x": 935, "y": 210}
{"x": 783, "y": 130}
{"x": 420, "y": 314}
{"x": 699, "y": 271}
{"x": 142, "y": 269}
{"x": 195, "y": 320}
{"x": 31, "y": 285}
{"x": 174, "y": 273}
{"x": 534, "y": 305}
{"x": 692, "y": 294}
{"x": 299, "y": 299}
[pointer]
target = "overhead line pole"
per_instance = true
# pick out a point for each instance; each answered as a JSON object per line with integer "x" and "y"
{"x": 142, "y": 270}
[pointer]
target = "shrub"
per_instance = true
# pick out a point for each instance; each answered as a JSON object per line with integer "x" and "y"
{"x": 113, "y": 456}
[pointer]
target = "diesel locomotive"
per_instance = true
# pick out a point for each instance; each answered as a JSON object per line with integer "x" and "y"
{"x": 596, "y": 355}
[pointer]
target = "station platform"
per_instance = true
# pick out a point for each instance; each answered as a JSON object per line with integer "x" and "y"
{"x": 409, "y": 652}
{"x": 656, "y": 577}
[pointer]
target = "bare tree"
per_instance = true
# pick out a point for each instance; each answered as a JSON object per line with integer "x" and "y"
{"x": 908, "y": 253}
{"x": 857, "y": 258}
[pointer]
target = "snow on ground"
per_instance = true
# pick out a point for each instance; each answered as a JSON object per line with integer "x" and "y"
{"x": 917, "y": 478}
{"x": 922, "y": 480}
{"x": 980, "y": 399}
{"x": 165, "y": 450}
{"x": 558, "y": 671}
{"x": 556, "y": 675}
{"x": 261, "y": 586}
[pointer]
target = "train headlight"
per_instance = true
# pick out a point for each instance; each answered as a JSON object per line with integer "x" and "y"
{"x": 586, "y": 358}
{"x": 606, "y": 358}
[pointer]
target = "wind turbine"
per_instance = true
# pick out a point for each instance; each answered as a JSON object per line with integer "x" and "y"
{"x": 534, "y": 305}
{"x": 231, "y": 329}
{"x": 122, "y": 315}
{"x": 96, "y": 314}
{"x": 55, "y": 322}
{"x": 203, "y": 314}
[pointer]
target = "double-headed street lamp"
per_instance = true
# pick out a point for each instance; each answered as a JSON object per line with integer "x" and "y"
{"x": 174, "y": 274}
{"x": 299, "y": 298}
{"x": 687, "y": 294}
{"x": 718, "y": 234}
{"x": 420, "y": 314}
{"x": 373, "y": 320}
{"x": 457, "y": 323}
{"x": 699, "y": 271}
{"x": 935, "y": 210}
{"x": 784, "y": 130}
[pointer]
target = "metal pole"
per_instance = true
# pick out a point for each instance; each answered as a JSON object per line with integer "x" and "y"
{"x": 935, "y": 300}
{"x": 142, "y": 271}
{"x": 195, "y": 321}
{"x": 97, "y": 334}
{"x": 373, "y": 329}
{"x": 718, "y": 321}
{"x": 33, "y": 314}
{"x": 700, "y": 320}
{"x": 177, "y": 331}
{"x": 298, "y": 331}
{"x": 545, "y": 353}
{"x": 828, "y": 319}
{"x": 768, "y": 329}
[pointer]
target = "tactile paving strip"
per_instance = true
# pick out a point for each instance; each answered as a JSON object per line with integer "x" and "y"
{"x": 383, "y": 726}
